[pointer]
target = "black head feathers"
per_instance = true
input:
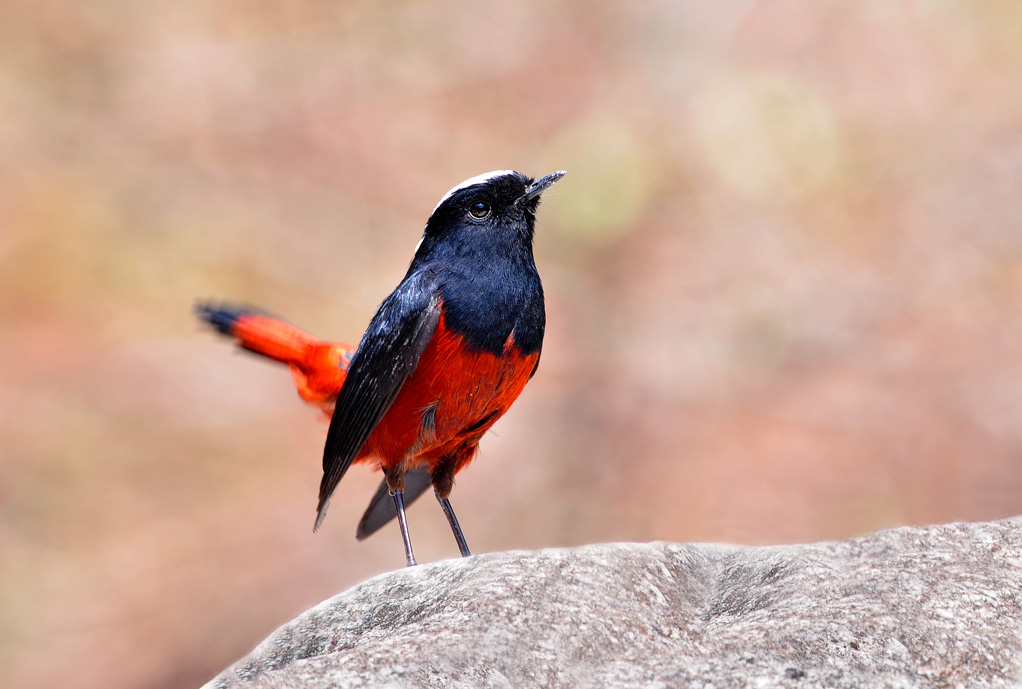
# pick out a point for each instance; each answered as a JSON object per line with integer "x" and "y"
{"x": 501, "y": 201}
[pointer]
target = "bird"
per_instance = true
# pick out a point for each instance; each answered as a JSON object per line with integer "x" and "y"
{"x": 443, "y": 358}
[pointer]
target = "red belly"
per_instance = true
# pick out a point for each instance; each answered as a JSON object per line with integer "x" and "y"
{"x": 471, "y": 390}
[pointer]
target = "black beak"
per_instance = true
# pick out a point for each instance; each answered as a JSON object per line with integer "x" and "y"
{"x": 539, "y": 186}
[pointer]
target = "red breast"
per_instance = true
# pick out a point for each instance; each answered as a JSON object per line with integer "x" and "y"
{"x": 453, "y": 397}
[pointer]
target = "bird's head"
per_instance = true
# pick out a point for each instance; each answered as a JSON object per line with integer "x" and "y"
{"x": 498, "y": 205}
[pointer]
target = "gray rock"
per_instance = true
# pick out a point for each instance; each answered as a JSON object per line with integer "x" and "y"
{"x": 910, "y": 607}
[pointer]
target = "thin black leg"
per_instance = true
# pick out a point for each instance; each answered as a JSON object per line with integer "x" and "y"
{"x": 445, "y": 504}
{"x": 399, "y": 504}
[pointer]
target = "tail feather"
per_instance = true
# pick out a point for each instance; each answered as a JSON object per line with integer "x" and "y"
{"x": 318, "y": 367}
{"x": 259, "y": 332}
{"x": 223, "y": 317}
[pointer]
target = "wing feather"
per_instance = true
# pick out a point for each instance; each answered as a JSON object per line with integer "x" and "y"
{"x": 387, "y": 355}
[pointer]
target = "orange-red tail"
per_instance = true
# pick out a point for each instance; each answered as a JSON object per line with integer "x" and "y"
{"x": 318, "y": 367}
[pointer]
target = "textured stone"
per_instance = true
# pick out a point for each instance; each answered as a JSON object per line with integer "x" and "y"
{"x": 910, "y": 607}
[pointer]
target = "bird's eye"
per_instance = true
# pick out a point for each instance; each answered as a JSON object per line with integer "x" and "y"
{"x": 479, "y": 210}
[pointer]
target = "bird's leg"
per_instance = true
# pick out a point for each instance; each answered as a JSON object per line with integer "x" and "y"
{"x": 399, "y": 503}
{"x": 445, "y": 505}
{"x": 443, "y": 482}
{"x": 396, "y": 486}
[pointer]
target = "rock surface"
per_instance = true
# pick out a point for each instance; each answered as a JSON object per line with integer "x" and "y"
{"x": 909, "y": 607}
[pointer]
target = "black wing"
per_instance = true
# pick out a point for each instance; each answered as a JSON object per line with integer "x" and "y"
{"x": 381, "y": 508}
{"x": 387, "y": 355}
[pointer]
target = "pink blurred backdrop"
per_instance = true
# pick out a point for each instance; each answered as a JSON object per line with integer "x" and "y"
{"x": 784, "y": 281}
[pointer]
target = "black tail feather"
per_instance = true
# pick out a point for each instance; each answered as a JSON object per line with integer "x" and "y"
{"x": 223, "y": 316}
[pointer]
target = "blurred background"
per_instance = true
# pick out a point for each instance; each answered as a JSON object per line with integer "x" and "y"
{"x": 783, "y": 277}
